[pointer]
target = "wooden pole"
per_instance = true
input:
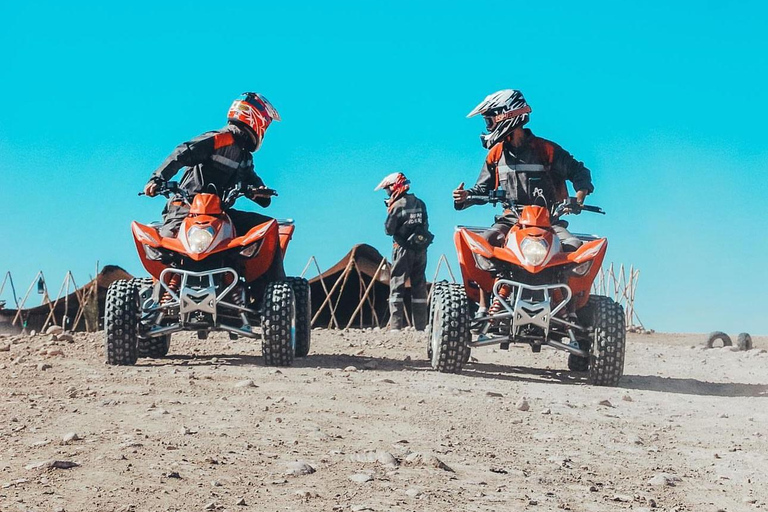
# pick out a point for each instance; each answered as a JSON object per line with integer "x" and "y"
{"x": 322, "y": 283}
{"x": 351, "y": 265}
{"x": 367, "y": 291}
{"x": 20, "y": 307}
{"x": 329, "y": 294}
{"x": 52, "y": 305}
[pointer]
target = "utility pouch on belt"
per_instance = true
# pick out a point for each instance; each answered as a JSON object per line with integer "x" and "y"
{"x": 419, "y": 239}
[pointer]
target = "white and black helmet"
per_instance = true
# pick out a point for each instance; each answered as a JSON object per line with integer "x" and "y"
{"x": 503, "y": 111}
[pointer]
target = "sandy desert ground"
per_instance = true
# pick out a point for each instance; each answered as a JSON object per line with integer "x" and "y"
{"x": 364, "y": 424}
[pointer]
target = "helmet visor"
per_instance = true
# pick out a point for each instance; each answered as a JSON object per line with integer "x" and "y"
{"x": 490, "y": 122}
{"x": 271, "y": 110}
{"x": 262, "y": 104}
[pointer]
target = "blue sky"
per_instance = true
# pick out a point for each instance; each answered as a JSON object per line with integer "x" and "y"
{"x": 664, "y": 102}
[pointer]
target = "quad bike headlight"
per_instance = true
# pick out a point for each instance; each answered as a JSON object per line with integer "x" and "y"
{"x": 199, "y": 238}
{"x": 534, "y": 250}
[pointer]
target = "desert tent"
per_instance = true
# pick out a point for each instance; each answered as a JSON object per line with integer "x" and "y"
{"x": 354, "y": 292}
{"x": 81, "y": 310}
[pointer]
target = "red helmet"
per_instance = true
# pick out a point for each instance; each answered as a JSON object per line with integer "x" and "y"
{"x": 396, "y": 182}
{"x": 254, "y": 111}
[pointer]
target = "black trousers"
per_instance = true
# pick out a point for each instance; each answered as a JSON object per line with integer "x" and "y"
{"x": 408, "y": 264}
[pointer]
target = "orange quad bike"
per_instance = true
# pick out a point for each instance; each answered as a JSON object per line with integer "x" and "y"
{"x": 207, "y": 278}
{"x": 540, "y": 296}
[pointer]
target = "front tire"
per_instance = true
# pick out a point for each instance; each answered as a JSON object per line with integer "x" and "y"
{"x": 303, "y": 296}
{"x": 606, "y": 361}
{"x": 278, "y": 324}
{"x": 450, "y": 329}
{"x": 121, "y": 321}
{"x": 437, "y": 288}
{"x": 149, "y": 347}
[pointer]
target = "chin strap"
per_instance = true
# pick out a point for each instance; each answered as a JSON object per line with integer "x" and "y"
{"x": 397, "y": 194}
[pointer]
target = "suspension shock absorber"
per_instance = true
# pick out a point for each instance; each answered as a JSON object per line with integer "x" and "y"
{"x": 504, "y": 292}
{"x": 173, "y": 284}
{"x": 239, "y": 299}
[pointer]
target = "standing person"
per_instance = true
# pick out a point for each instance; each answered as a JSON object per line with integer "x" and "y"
{"x": 407, "y": 223}
{"x": 531, "y": 170}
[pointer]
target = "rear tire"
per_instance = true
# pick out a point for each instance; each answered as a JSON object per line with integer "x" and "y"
{"x": 121, "y": 321}
{"x": 744, "y": 341}
{"x": 278, "y": 324}
{"x": 606, "y": 362}
{"x": 577, "y": 363}
{"x": 156, "y": 347}
{"x": 450, "y": 329}
{"x": 303, "y": 296}
{"x": 149, "y": 347}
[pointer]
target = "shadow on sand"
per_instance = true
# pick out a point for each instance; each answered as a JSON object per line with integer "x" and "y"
{"x": 479, "y": 370}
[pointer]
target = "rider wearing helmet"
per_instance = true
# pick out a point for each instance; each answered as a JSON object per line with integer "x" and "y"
{"x": 531, "y": 170}
{"x": 216, "y": 161}
{"x": 407, "y": 223}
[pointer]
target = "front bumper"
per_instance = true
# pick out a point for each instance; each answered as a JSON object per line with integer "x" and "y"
{"x": 196, "y": 295}
{"x": 536, "y": 310}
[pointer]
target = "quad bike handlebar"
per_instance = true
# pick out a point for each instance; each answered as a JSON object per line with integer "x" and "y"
{"x": 570, "y": 205}
{"x": 228, "y": 198}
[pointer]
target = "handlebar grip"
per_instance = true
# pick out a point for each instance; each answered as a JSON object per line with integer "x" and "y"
{"x": 269, "y": 192}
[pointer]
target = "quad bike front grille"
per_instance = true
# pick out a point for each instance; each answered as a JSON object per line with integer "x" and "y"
{"x": 530, "y": 305}
{"x": 197, "y": 292}
{"x": 202, "y": 300}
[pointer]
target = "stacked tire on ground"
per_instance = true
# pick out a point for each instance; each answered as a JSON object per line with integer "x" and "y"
{"x": 743, "y": 340}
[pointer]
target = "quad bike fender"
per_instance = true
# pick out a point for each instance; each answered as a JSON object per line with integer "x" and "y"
{"x": 286, "y": 234}
{"x": 468, "y": 243}
{"x": 147, "y": 235}
{"x": 591, "y": 254}
{"x": 262, "y": 240}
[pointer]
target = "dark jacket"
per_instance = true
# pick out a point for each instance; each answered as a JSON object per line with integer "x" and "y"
{"x": 406, "y": 215}
{"x": 536, "y": 167}
{"x": 220, "y": 158}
